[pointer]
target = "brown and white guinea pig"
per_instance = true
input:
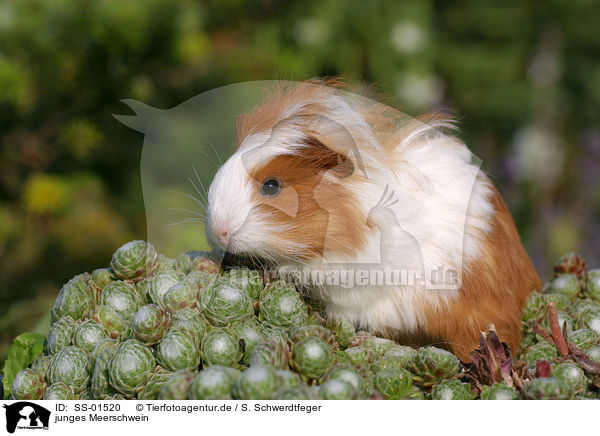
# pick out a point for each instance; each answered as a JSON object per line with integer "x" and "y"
{"x": 323, "y": 178}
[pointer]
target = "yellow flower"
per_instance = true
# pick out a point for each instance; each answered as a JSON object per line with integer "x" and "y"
{"x": 45, "y": 194}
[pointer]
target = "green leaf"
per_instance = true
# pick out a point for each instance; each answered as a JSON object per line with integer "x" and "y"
{"x": 25, "y": 348}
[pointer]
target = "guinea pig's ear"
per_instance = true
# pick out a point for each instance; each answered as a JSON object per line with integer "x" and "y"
{"x": 341, "y": 144}
{"x": 326, "y": 159}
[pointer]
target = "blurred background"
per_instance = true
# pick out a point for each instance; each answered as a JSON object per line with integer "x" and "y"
{"x": 523, "y": 78}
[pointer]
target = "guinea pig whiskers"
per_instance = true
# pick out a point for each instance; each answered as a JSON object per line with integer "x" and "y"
{"x": 191, "y": 197}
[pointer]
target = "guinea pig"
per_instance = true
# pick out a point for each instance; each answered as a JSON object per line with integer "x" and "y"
{"x": 325, "y": 179}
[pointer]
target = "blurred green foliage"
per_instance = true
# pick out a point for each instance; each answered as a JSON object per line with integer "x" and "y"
{"x": 523, "y": 77}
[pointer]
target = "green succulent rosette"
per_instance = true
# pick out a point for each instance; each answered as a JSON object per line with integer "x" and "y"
{"x": 591, "y": 284}
{"x": 393, "y": 383}
{"x": 75, "y": 299}
{"x": 338, "y": 389}
{"x": 41, "y": 365}
{"x": 287, "y": 378}
{"x": 176, "y": 387}
{"x": 112, "y": 321}
{"x": 549, "y": 388}
{"x": 452, "y": 389}
{"x": 177, "y": 350}
{"x": 71, "y": 366}
{"x": 272, "y": 333}
{"x": 584, "y": 338}
{"x": 589, "y": 319}
{"x": 302, "y": 332}
{"x": 28, "y": 385}
{"x": 214, "y": 383}
{"x": 60, "y": 334}
{"x": 571, "y": 374}
{"x": 184, "y": 263}
{"x": 249, "y": 280}
{"x": 343, "y": 331}
{"x": 165, "y": 263}
{"x": 190, "y": 320}
{"x": 400, "y": 356}
{"x": 348, "y": 374}
{"x": 134, "y": 260}
{"x": 311, "y": 357}
{"x": 593, "y": 353}
{"x": 431, "y": 365}
{"x": 102, "y": 277}
{"x": 130, "y": 367}
{"x": 539, "y": 351}
{"x": 123, "y": 297}
{"x": 221, "y": 347}
{"x": 152, "y": 387}
{"x": 499, "y": 391}
{"x": 298, "y": 393}
{"x": 249, "y": 335}
{"x": 269, "y": 353}
{"x": 565, "y": 284}
{"x": 159, "y": 284}
{"x": 150, "y": 324}
{"x": 223, "y": 304}
{"x": 257, "y": 383}
{"x": 59, "y": 391}
{"x": 88, "y": 334}
{"x": 100, "y": 382}
{"x": 281, "y": 305}
{"x": 85, "y": 395}
{"x": 180, "y": 296}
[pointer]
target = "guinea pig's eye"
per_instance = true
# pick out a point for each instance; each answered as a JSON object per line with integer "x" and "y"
{"x": 271, "y": 187}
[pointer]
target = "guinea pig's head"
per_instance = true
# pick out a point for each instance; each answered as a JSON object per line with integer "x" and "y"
{"x": 276, "y": 196}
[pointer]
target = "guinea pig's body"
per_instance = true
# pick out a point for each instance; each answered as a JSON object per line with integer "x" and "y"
{"x": 327, "y": 180}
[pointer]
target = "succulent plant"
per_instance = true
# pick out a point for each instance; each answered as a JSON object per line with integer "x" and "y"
{"x": 87, "y": 335}
{"x": 393, "y": 383}
{"x": 200, "y": 278}
{"x": 190, "y": 320}
{"x": 452, "y": 389}
{"x": 565, "y": 284}
{"x": 177, "y": 350}
{"x": 205, "y": 263}
{"x": 150, "y": 324}
{"x": 71, "y": 366}
{"x": 302, "y": 332}
{"x": 548, "y": 388}
{"x": 158, "y": 285}
{"x": 256, "y": 383}
{"x": 213, "y": 383}
{"x": 431, "y": 365}
{"x": 499, "y": 391}
{"x": 28, "y": 385}
{"x": 396, "y": 357}
{"x": 415, "y": 394}
{"x": 287, "y": 378}
{"x": 280, "y": 305}
{"x": 221, "y": 347}
{"x": 536, "y": 307}
{"x": 249, "y": 336}
{"x": 594, "y": 353}
{"x": 269, "y": 353}
{"x": 343, "y": 331}
{"x": 181, "y": 295}
{"x": 75, "y": 299}
{"x": 102, "y": 277}
{"x": 100, "y": 381}
{"x": 40, "y": 365}
{"x": 248, "y": 280}
{"x": 350, "y": 375}
{"x": 580, "y": 306}
{"x": 134, "y": 260}
{"x": 123, "y": 297}
{"x": 301, "y": 392}
{"x": 589, "y": 319}
{"x": 176, "y": 387}
{"x": 223, "y": 304}
{"x": 571, "y": 374}
{"x": 60, "y": 334}
{"x": 338, "y": 389}
{"x": 311, "y": 357}
{"x": 165, "y": 263}
{"x": 359, "y": 356}
{"x": 540, "y": 351}
{"x": 85, "y": 395}
{"x": 59, "y": 391}
{"x": 110, "y": 319}
{"x": 584, "y": 338}
{"x": 184, "y": 263}
{"x": 152, "y": 387}
{"x": 272, "y": 333}
{"x": 130, "y": 367}
{"x": 561, "y": 301}
{"x": 591, "y": 284}
{"x": 570, "y": 263}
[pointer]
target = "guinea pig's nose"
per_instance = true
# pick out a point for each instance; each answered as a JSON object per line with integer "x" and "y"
{"x": 222, "y": 232}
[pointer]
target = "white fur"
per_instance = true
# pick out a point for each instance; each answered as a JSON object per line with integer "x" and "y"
{"x": 443, "y": 210}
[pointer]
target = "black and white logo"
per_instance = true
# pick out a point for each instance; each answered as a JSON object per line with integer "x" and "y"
{"x": 27, "y": 416}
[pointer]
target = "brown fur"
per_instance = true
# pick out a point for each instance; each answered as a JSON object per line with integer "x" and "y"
{"x": 495, "y": 289}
